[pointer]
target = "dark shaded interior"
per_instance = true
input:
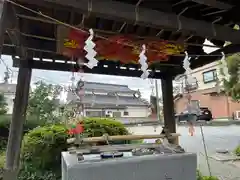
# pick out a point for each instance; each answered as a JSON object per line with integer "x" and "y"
{"x": 38, "y": 34}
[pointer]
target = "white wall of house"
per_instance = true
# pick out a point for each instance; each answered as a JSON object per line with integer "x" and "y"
{"x": 205, "y": 72}
{"x": 131, "y": 111}
{"x": 141, "y": 111}
{"x": 9, "y": 100}
{"x": 199, "y": 74}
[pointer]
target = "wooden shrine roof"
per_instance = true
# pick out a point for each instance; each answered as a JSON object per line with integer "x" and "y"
{"x": 186, "y": 22}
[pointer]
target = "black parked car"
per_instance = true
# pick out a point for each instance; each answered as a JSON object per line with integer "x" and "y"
{"x": 205, "y": 115}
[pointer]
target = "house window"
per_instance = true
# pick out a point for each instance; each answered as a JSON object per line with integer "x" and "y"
{"x": 125, "y": 113}
{"x": 210, "y": 76}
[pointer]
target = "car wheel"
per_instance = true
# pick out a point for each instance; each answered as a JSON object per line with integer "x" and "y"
{"x": 208, "y": 119}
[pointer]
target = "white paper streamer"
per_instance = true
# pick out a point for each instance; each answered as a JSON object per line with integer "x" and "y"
{"x": 91, "y": 53}
{"x": 143, "y": 62}
{"x": 186, "y": 66}
{"x": 225, "y": 67}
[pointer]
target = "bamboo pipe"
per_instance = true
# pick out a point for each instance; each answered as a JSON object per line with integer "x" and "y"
{"x": 122, "y": 137}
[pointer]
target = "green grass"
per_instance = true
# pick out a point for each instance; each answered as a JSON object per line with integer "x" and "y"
{"x": 137, "y": 141}
{"x": 237, "y": 151}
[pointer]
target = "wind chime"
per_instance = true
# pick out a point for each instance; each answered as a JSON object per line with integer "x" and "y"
{"x": 77, "y": 128}
{"x": 78, "y": 90}
{"x": 189, "y": 80}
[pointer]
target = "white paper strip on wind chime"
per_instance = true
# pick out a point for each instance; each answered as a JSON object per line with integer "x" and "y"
{"x": 143, "y": 62}
{"x": 188, "y": 70}
{"x": 225, "y": 67}
{"x": 91, "y": 53}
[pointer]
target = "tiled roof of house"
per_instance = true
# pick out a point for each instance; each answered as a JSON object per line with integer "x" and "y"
{"x": 110, "y": 100}
{"x": 7, "y": 88}
{"x": 106, "y": 87}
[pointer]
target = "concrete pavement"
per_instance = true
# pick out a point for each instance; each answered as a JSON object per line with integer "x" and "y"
{"x": 151, "y": 122}
{"x": 226, "y": 137}
{"x": 223, "y": 137}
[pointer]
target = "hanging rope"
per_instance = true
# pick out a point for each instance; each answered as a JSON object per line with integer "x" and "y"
{"x": 191, "y": 130}
{"x": 188, "y": 83}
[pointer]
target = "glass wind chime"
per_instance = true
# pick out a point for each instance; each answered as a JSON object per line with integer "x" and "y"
{"x": 190, "y": 108}
{"x": 189, "y": 81}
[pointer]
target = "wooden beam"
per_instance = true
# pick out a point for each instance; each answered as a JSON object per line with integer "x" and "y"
{"x": 214, "y": 4}
{"x": 103, "y": 32}
{"x": 110, "y": 69}
{"x": 117, "y": 10}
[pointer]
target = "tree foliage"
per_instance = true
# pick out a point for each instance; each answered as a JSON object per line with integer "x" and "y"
{"x": 42, "y": 101}
{"x": 3, "y": 104}
{"x": 232, "y": 85}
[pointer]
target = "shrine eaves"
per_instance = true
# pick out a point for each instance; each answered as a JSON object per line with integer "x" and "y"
{"x": 57, "y": 30}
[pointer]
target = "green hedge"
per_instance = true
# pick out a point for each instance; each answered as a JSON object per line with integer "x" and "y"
{"x": 98, "y": 126}
{"x": 42, "y": 147}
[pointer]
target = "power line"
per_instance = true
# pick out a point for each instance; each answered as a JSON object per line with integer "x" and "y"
{"x": 16, "y": 71}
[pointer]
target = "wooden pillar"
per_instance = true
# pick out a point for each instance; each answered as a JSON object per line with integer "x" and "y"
{"x": 168, "y": 104}
{"x": 18, "y": 118}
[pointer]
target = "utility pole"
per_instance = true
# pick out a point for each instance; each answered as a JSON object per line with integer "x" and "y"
{"x": 157, "y": 101}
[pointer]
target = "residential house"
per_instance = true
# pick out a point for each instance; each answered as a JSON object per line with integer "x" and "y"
{"x": 208, "y": 93}
{"x": 110, "y": 100}
{"x": 9, "y": 91}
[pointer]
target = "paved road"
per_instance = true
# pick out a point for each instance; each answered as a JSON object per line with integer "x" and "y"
{"x": 224, "y": 137}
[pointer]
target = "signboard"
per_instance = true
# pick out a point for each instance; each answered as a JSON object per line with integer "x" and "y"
{"x": 123, "y": 48}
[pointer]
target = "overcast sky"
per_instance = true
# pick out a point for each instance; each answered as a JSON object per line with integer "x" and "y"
{"x": 57, "y": 77}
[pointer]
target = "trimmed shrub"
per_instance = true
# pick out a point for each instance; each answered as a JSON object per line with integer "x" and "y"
{"x": 42, "y": 147}
{"x": 99, "y": 126}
